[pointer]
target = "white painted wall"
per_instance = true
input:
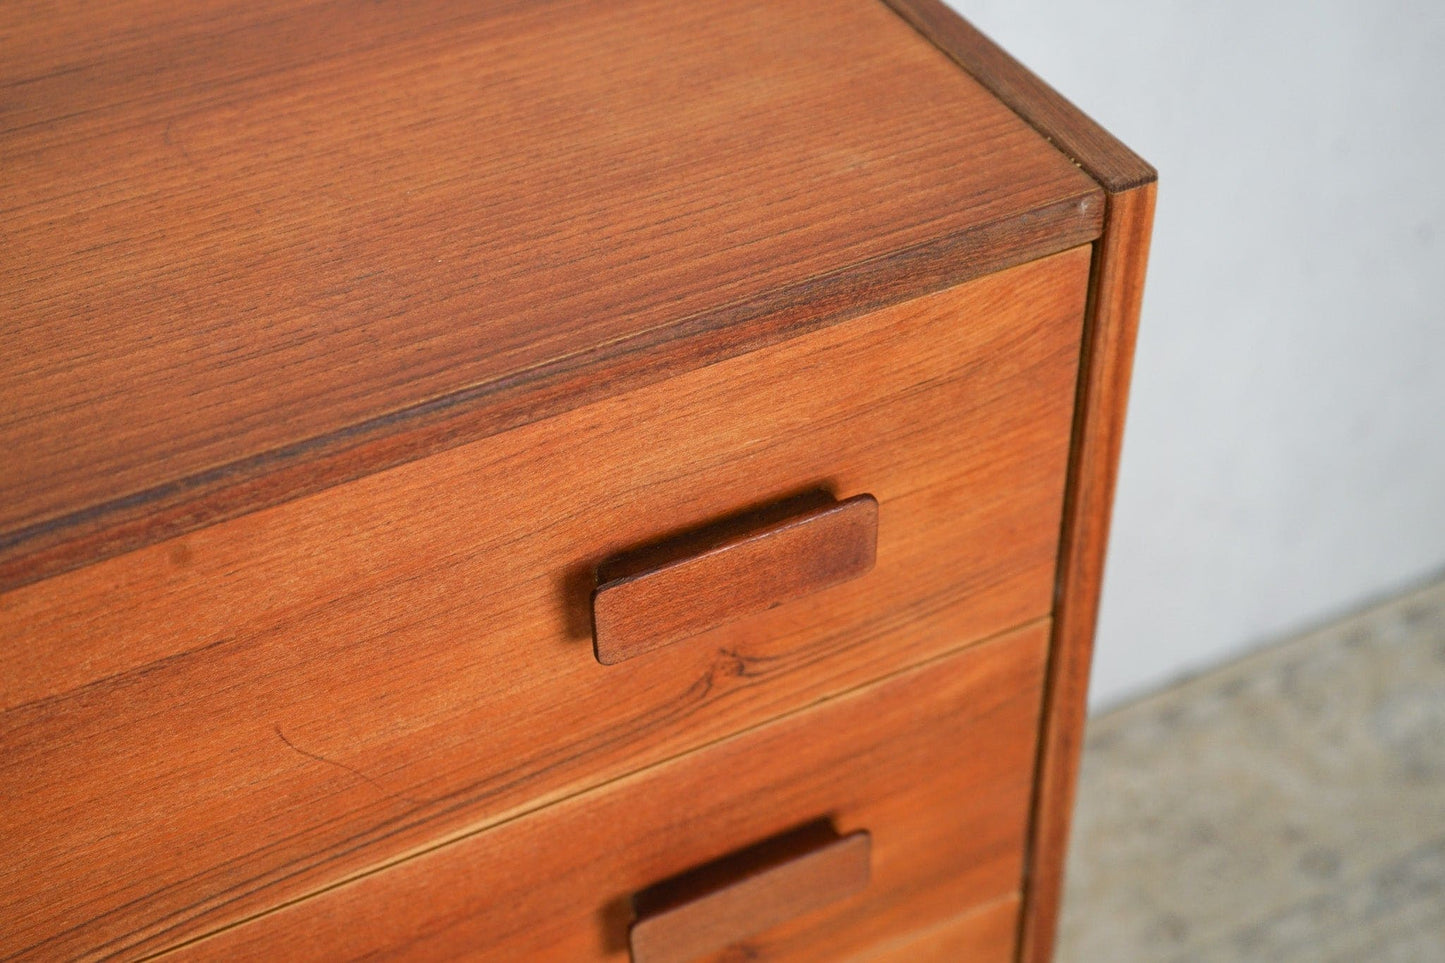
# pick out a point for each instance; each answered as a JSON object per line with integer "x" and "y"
{"x": 1284, "y": 460}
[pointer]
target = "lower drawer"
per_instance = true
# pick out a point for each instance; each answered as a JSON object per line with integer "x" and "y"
{"x": 933, "y": 764}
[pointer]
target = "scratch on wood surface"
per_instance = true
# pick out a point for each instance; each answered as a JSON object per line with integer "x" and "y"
{"x": 354, "y": 771}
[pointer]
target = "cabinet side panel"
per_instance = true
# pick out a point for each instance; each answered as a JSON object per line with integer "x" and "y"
{"x": 1116, "y": 294}
{"x": 1116, "y": 291}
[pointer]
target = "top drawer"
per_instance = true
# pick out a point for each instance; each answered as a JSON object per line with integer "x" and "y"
{"x": 205, "y": 727}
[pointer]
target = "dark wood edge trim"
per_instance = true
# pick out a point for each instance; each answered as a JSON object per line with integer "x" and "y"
{"x": 1112, "y": 318}
{"x": 134, "y": 521}
{"x": 1102, "y": 156}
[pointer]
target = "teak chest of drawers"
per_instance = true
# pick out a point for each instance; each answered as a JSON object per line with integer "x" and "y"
{"x": 551, "y": 481}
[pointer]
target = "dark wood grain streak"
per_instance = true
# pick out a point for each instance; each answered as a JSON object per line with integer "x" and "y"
{"x": 1100, "y": 153}
{"x": 243, "y": 275}
{"x": 1120, "y": 260}
{"x": 710, "y": 580}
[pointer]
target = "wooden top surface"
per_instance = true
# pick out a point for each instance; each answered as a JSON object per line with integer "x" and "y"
{"x": 254, "y": 249}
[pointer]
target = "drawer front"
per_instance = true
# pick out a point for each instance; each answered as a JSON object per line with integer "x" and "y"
{"x": 984, "y": 934}
{"x": 933, "y": 765}
{"x": 201, "y": 729}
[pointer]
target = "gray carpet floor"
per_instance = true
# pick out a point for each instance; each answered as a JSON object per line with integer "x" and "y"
{"x": 1288, "y": 807}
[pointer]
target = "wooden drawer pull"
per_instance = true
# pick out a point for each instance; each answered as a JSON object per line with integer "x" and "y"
{"x": 646, "y": 601}
{"x": 714, "y": 906}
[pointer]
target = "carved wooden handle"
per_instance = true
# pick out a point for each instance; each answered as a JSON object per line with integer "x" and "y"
{"x": 724, "y": 902}
{"x": 681, "y": 590}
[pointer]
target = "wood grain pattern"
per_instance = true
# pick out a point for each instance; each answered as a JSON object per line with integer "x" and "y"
{"x": 554, "y": 885}
{"x": 724, "y": 902}
{"x": 1116, "y": 291}
{"x": 985, "y": 934}
{"x": 313, "y": 689}
{"x": 1121, "y": 258}
{"x": 1105, "y": 158}
{"x": 714, "y": 577}
{"x": 255, "y": 251}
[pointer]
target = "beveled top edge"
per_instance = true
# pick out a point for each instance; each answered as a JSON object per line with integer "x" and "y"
{"x": 1098, "y": 153}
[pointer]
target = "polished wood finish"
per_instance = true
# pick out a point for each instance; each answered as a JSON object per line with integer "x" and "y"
{"x": 555, "y": 884}
{"x": 710, "y": 908}
{"x": 687, "y": 586}
{"x": 1099, "y": 153}
{"x": 983, "y": 934}
{"x": 355, "y": 347}
{"x": 257, "y": 250}
{"x": 1118, "y": 291}
{"x": 314, "y": 689}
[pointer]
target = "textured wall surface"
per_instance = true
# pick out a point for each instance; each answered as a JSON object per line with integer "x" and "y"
{"x": 1285, "y": 455}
